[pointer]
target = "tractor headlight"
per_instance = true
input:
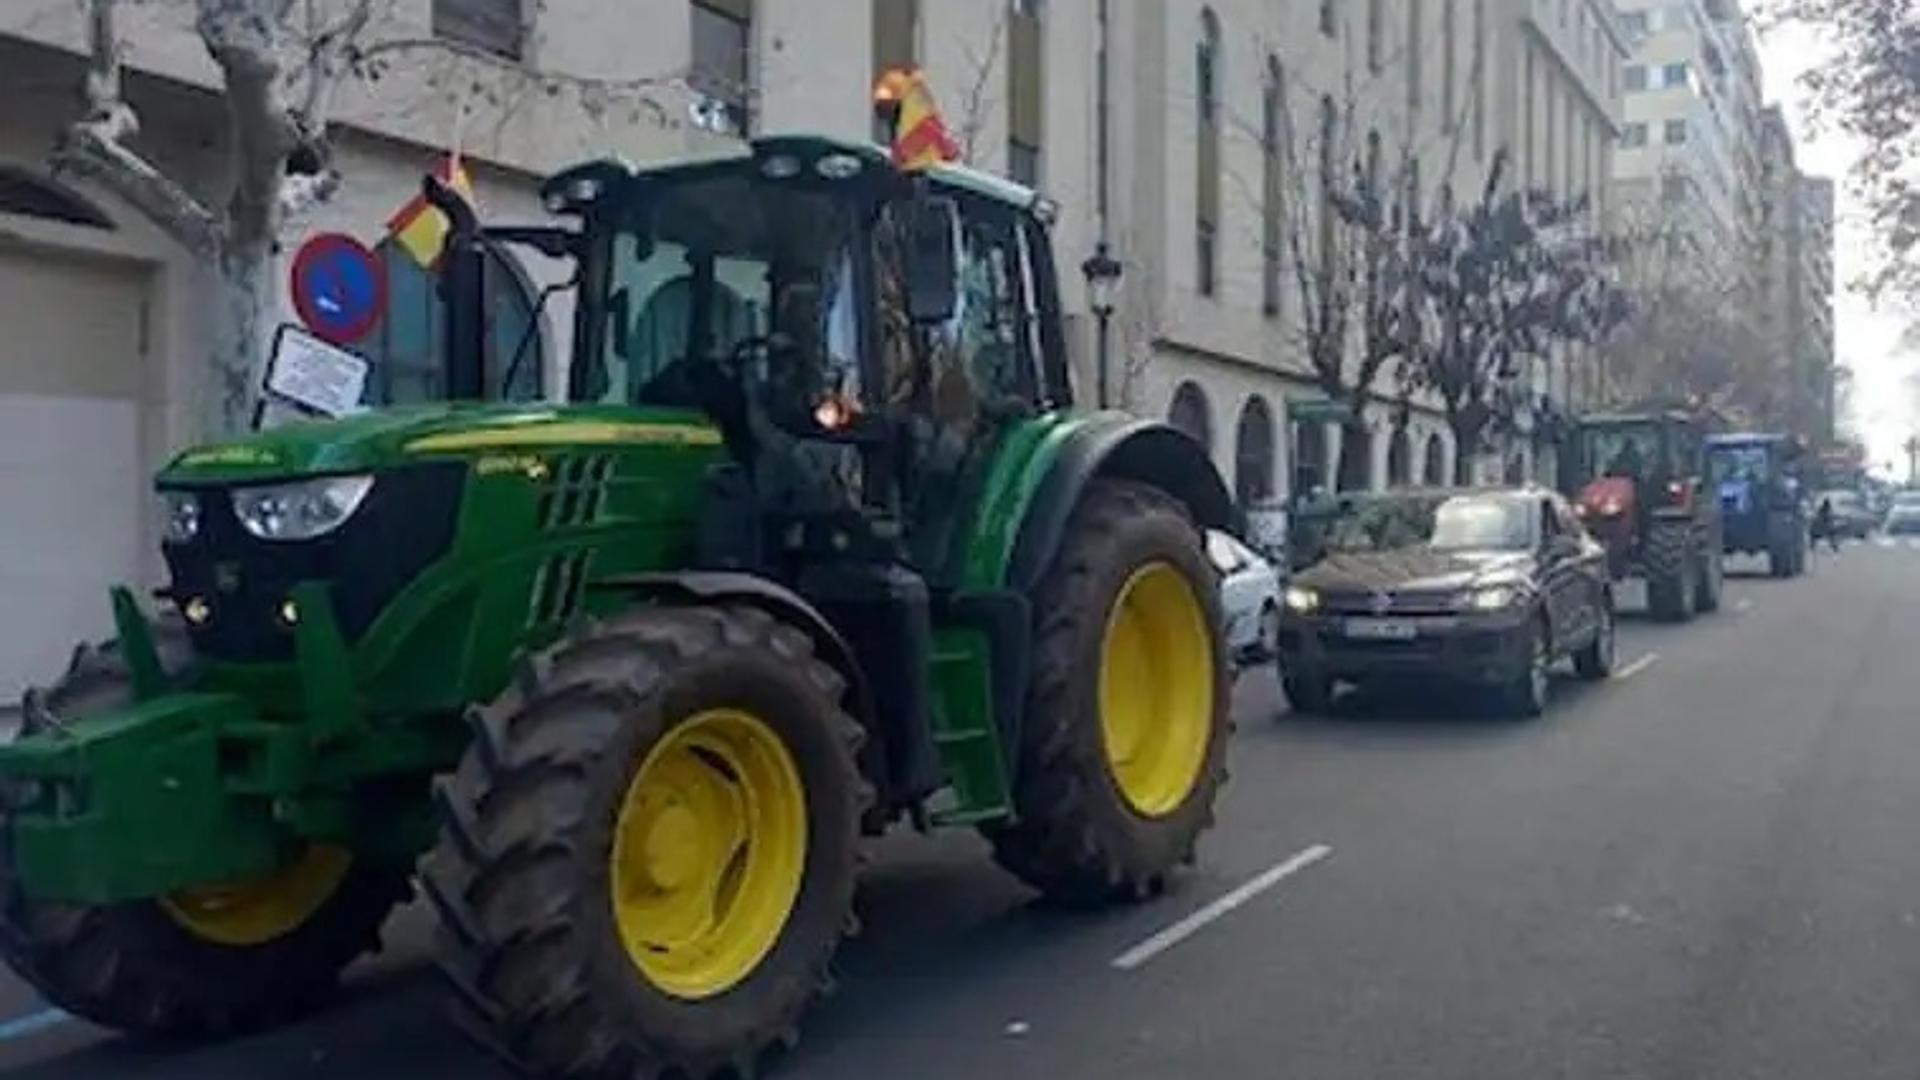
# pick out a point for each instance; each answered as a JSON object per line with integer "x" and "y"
{"x": 1301, "y": 601}
{"x": 1492, "y": 597}
{"x": 179, "y": 517}
{"x": 300, "y": 511}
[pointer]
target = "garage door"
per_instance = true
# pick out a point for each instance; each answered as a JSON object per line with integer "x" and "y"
{"x": 73, "y": 499}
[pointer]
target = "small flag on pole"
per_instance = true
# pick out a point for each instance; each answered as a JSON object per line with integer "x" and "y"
{"x": 419, "y": 227}
{"x": 920, "y": 136}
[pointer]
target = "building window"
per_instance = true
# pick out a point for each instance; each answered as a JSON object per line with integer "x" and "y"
{"x": 1253, "y": 452}
{"x": 1416, "y": 49}
{"x": 1399, "y": 460}
{"x": 1633, "y": 136}
{"x": 1273, "y": 99}
{"x": 1327, "y": 19}
{"x": 1674, "y": 74}
{"x": 1309, "y": 459}
{"x": 1376, "y": 29}
{"x": 722, "y": 47}
{"x": 1023, "y": 163}
{"x": 1673, "y": 188}
{"x": 1676, "y": 132}
{"x": 1206, "y": 256}
{"x": 1191, "y": 414}
{"x": 495, "y": 26}
{"x": 1449, "y": 65}
{"x": 1207, "y": 180}
{"x": 1329, "y": 133}
{"x": 405, "y": 353}
{"x": 1633, "y": 22}
{"x": 1527, "y": 128}
{"x": 1636, "y": 76}
{"x": 1435, "y": 468}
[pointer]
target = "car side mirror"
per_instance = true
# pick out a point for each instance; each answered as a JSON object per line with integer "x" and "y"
{"x": 931, "y": 270}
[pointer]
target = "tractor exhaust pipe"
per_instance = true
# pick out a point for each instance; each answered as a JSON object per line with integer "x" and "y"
{"x": 463, "y": 281}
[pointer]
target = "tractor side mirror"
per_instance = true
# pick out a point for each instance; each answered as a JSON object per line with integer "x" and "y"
{"x": 931, "y": 267}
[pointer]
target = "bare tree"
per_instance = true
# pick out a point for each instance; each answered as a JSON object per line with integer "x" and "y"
{"x": 281, "y": 65}
{"x": 1870, "y": 87}
{"x": 1501, "y": 280}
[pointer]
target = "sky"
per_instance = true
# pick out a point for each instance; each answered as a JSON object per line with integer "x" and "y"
{"x": 1868, "y": 340}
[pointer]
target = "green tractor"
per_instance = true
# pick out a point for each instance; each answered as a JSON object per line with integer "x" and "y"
{"x": 814, "y": 547}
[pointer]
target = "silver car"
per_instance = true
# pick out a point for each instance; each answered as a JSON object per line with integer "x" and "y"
{"x": 1249, "y": 597}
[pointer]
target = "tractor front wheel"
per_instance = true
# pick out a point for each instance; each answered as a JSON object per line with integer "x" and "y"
{"x": 203, "y": 962}
{"x": 1671, "y": 565}
{"x": 648, "y": 852}
{"x": 1123, "y": 746}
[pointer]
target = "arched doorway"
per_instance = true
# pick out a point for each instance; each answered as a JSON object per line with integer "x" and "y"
{"x": 1436, "y": 464}
{"x": 1309, "y": 458}
{"x": 404, "y": 354}
{"x": 1191, "y": 413}
{"x": 1253, "y": 452}
{"x": 1399, "y": 460}
{"x": 1516, "y": 471}
{"x": 1356, "y": 458}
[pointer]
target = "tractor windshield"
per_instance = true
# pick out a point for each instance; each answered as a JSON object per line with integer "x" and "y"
{"x": 1738, "y": 463}
{"x": 718, "y": 272}
{"x": 1631, "y": 451}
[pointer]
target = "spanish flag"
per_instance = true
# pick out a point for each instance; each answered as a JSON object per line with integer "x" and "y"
{"x": 920, "y": 136}
{"x": 419, "y": 227}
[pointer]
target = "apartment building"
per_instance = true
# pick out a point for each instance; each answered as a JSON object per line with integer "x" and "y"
{"x": 1556, "y": 85}
{"x": 1810, "y": 293}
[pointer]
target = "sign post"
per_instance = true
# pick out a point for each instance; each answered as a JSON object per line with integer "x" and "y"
{"x": 339, "y": 288}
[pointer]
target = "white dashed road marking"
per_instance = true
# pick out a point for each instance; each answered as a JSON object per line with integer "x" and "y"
{"x": 1194, "y": 923}
{"x": 1635, "y": 667}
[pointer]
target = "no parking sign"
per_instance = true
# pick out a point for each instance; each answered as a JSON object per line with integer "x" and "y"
{"x": 339, "y": 287}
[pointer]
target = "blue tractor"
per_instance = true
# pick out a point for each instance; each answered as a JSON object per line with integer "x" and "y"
{"x": 1756, "y": 478}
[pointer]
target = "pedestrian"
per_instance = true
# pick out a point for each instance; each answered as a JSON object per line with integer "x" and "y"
{"x": 1823, "y": 524}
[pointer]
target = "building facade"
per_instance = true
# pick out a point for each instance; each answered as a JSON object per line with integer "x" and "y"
{"x": 1194, "y": 139}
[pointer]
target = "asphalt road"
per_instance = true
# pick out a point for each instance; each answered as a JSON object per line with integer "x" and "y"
{"x": 1703, "y": 868}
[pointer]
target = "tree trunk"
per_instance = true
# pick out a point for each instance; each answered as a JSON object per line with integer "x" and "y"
{"x": 244, "y": 312}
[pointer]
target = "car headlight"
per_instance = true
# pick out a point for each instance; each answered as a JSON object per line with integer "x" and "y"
{"x": 1492, "y": 597}
{"x": 300, "y": 511}
{"x": 179, "y": 517}
{"x": 1301, "y": 601}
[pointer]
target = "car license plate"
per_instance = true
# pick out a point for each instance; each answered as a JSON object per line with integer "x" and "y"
{"x": 1381, "y": 629}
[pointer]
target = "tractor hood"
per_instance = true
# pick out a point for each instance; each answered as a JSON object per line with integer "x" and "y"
{"x": 385, "y": 437}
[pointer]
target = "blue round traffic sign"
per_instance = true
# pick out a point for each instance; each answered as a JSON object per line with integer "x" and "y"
{"x": 339, "y": 287}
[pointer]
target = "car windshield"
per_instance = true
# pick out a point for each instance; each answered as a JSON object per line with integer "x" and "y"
{"x": 1454, "y": 523}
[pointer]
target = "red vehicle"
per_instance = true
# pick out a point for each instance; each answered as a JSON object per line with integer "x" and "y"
{"x": 1636, "y": 481}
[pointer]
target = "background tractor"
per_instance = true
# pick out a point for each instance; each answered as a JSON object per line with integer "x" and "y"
{"x": 1636, "y": 480}
{"x": 1756, "y": 479}
{"x": 813, "y": 546}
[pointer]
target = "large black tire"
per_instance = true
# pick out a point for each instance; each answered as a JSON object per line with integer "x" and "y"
{"x": 1525, "y": 695}
{"x": 1076, "y": 835}
{"x": 1670, "y": 560}
{"x": 137, "y": 967}
{"x": 529, "y": 939}
{"x": 1594, "y": 661}
{"x": 1710, "y": 582}
{"x": 1308, "y": 694}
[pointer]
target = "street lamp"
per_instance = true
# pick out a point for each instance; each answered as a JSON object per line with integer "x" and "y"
{"x": 1102, "y": 271}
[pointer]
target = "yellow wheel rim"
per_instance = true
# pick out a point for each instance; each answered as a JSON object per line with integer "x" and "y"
{"x": 708, "y": 853}
{"x": 1156, "y": 689}
{"x": 255, "y": 912}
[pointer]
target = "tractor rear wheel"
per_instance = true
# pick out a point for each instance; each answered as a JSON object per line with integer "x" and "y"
{"x": 1671, "y": 565}
{"x": 648, "y": 852}
{"x": 1122, "y": 750}
{"x": 201, "y": 962}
